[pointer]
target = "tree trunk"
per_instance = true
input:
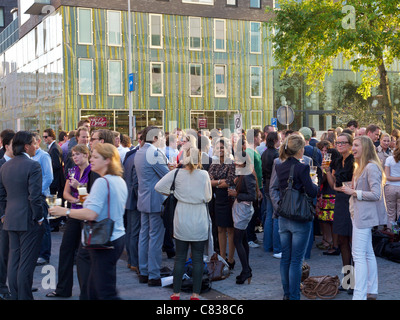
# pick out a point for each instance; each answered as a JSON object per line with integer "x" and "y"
{"x": 387, "y": 102}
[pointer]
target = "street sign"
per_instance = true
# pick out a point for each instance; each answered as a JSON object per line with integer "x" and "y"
{"x": 131, "y": 82}
{"x": 285, "y": 115}
{"x": 238, "y": 123}
{"x": 274, "y": 122}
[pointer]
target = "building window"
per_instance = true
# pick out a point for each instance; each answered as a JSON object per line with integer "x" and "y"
{"x": 219, "y": 35}
{"x": 156, "y": 79}
{"x": 194, "y": 33}
{"x": 208, "y": 2}
{"x": 2, "y": 17}
{"x": 86, "y": 86}
{"x": 85, "y": 23}
{"x": 255, "y": 37}
{"x": 114, "y": 34}
{"x": 231, "y": 3}
{"x": 195, "y": 80}
{"x": 115, "y": 77}
{"x": 156, "y": 35}
{"x": 220, "y": 80}
{"x": 255, "y": 82}
{"x": 255, "y": 4}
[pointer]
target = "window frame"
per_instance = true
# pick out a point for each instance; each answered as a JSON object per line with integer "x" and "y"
{"x": 79, "y": 76}
{"x": 260, "y": 37}
{"x": 120, "y": 29}
{"x": 198, "y": 2}
{"x": 215, "y": 35}
{"x": 232, "y": 5}
{"x": 151, "y": 15}
{"x": 91, "y": 26}
{"x": 190, "y": 80}
{"x": 2, "y": 14}
{"x": 121, "y": 77}
{"x": 190, "y": 29}
{"x": 251, "y": 82}
{"x": 225, "y": 95}
{"x": 152, "y": 94}
{"x": 255, "y": 7}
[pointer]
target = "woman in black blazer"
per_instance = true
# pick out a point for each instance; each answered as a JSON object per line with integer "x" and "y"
{"x": 294, "y": 235}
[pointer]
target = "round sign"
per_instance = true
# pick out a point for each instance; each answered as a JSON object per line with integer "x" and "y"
{"x": 285, "y": 115}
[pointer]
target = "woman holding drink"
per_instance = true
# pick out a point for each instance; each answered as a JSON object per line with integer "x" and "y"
{"x": 105, "y": 161}
{"x": 77, "y": 176}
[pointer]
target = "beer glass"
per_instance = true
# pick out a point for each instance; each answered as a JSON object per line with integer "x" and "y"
{"x": 327, "y": 159}
{"x": 82, "y": 190}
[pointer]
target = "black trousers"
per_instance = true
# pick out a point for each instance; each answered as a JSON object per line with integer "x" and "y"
{"x": 24, "y": 252}
{"x": 83, "y": 270}
{"x": 69, "y": 246}
{"x": 242, "y": 248}
{"x": 4, "y": 244}
{"x": 102, "y": 283}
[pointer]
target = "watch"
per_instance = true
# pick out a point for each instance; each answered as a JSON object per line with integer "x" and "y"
{"x": 67, "y": 213}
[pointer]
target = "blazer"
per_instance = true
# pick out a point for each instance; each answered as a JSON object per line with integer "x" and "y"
{"x": 20, "y": 193}
{"x": 55, "y": 153}
{"x": 131, "y": 179}
{"x": 151, "y": 166}
{"x": 368, "y": 209}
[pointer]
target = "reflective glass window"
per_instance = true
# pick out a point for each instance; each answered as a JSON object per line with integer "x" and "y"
{"x": 219, "y": 35}
{"x": 115, "y": 77}
{"x": 156, "y": 79}
{"x": 156, "y": 31}
{"x": 255, "y": 82}
{"x": 114, "y": 28}
{"x": 85, "y": 32}
{"x": 255, "y": 37}
{"x": 209, "y": 2}
{"x": 255, "y": 3}
{"x": 220, "y": 80}
{"x": 195, "y": 80}
{"x": 86, "y": 85}
{"x": 194, "y": 33}
{"x": 1, "y": 17}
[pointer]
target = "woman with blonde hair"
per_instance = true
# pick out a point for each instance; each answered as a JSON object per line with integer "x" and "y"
{"x": 107, "y": 196}
{"x": 191, "y": 219}
{"x": 368, "y": 210}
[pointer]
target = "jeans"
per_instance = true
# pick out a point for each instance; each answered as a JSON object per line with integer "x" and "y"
{"x": 272, "y": 241}
{"x": 151, "y": 239}
{"x": 197, "y": 249}
{"x": 132, "y": 236}
{"x": 365, "y": 267}
{"x": 294, "y": 240}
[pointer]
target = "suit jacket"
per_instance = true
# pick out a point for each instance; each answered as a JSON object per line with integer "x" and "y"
{"x": 369, "y": 208}
{"x": 55, "y": 153}
{"x": 20, "y": 193}
{"x": 131, "y": 179}
{"x": 2, "y": 161}
{"x": 151, "y": 166}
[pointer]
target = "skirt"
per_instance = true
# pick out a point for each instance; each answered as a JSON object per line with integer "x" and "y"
{"x": 223, "y": 209}
{"x": 241, "y": 214}
{"x": 342, "y": 224}
{"x": 325, "y": 207}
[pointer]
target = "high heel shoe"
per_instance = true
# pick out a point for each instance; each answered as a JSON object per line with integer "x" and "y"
{"x": 194, "y": 298}
{"x": 174, "y": 297}
{"x": 243, "y": 277}
{"x": 231, "y": 265}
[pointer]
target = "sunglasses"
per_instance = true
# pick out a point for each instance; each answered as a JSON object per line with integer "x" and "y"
{"x": 341, "y": 143}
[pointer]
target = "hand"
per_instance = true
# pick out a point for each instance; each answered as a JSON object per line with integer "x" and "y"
{"x": 73, "y": 183}
{"x": 232, "y": 192}
{"x": 347, "y": 190}
{"x": 58, "y": 211}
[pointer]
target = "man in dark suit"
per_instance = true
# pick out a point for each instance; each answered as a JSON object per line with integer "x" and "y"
{"x": 55, "y": 152}
{"x": 4, "y": 243}
{"x": 22, "y": 213}
{"x": 3, "y": 134}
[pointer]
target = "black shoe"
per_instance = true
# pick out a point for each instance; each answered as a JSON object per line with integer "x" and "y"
{"x": 170, "y": 255}
{"x": 243, "y": 277}
{"x": 336, "y": 252}
{"x": 143, "y": 279}
{"x": 231, "y": 265}
{"x": 350, "y": 291}
{"x": 154, "y": 283}
{"x": 5, "y": 296}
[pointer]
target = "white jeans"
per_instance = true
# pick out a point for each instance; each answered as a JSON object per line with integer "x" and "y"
{"x": 365, "y": 267}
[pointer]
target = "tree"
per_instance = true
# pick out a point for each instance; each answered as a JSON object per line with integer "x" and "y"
{"x": 309, "y": 36}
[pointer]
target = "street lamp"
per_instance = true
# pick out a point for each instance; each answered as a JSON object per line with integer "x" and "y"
{"x": 130, "y": 93}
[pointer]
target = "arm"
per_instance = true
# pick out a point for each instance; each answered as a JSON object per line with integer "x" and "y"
{"x": 388, "y": 176}
{"x": 374, "y": 177}
{"x": 274, "y": 192}
{"x": 163, "y": 186}
{"x": 67, "y": 194}
{"x": 47, "y": 171}
{"x": 250, "y": 193}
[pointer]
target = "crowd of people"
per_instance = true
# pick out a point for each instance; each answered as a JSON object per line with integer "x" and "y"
{"x": 227, "y": 189}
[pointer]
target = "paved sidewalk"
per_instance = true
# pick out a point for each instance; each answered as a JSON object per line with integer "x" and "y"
{"x": 265, "y": 284}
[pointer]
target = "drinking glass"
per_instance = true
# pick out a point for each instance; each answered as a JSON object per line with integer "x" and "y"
{"x": 52, "y": 201}
{"x": 71, "y": 172}
{"x": 82, "y": 190}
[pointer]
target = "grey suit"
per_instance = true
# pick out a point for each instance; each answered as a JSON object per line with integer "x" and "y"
{"x": 21, "y": 205}
{"x": 151, "y": 166}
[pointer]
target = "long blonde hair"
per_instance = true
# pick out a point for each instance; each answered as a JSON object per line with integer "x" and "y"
{"x": 191, "y": 154}
{"x": 291, "y": 146}
{"x": 109, "y": 151}
{"x": 368, "y": 155}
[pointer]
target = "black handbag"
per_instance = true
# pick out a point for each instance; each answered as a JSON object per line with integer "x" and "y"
{"x": 97, "y": 235}
{"x": 296, "y": 205}
{"x": 169, "y": 208}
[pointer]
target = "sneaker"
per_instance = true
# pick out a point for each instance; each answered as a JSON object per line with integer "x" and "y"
{"x": 277, "y": 255}
{"x": 41, "y": 262}
{"x": 252, "y": 244}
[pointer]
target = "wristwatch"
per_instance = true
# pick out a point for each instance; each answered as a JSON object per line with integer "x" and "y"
{"x": 67, "y": 213}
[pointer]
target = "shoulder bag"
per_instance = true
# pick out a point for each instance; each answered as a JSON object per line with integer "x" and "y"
{"x": 97, "y": 235}
{"x": 169, "y": 208}
{"x": 295, "y": 204}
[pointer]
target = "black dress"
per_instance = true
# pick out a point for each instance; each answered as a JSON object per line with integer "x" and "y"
{"x": 342, "y": 224}
{"x": 223, "y": 203}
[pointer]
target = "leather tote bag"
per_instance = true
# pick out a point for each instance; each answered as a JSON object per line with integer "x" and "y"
{"x": 97, "y": 235}
{"x": 295, "y": 204}
{"x": 169, "y": 208}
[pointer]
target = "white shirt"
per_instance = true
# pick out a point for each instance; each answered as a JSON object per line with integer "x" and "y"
{"x": 394, "y": 170}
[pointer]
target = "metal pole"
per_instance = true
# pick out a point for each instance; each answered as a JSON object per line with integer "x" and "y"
{"x": 130, "y": 93}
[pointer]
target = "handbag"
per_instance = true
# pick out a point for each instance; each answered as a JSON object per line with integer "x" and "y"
{"x": 323, "y": 287}
{"x": 97, "y": 234}
{"x": 169, "y": 208}
{"x": 217, "y": 268}
{"x": 296, "y": 205}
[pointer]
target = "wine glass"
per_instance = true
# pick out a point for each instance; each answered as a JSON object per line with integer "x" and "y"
{"x": 52, "y": 201}
{"x": 71, "y": 172}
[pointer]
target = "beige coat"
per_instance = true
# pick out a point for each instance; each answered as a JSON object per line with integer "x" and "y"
{"x": 368, "y": 208}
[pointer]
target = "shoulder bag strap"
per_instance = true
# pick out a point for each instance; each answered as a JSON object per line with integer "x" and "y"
{"x": 108, "y": 197}
{"x": 290, "y": 180}
{"x": 173, "y": 183}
